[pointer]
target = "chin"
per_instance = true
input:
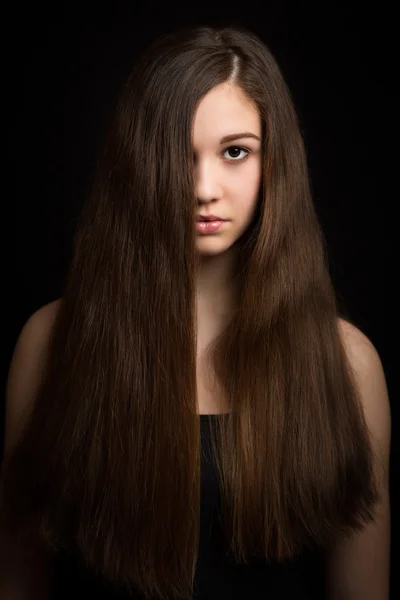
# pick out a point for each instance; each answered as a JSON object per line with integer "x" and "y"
{"x": 209, "y": 250}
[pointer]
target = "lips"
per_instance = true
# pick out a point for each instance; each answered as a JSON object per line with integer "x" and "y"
{"x": 210, "y": 218}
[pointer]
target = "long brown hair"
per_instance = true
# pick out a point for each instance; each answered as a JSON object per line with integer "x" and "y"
{"x": 109, "y": 463}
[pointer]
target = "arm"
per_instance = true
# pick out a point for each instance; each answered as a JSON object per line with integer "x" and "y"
{"x": 359, "y": 567}
{"x": 25, "y": 573}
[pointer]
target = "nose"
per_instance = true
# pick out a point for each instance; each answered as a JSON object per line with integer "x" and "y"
{"x": 208, "y": 185}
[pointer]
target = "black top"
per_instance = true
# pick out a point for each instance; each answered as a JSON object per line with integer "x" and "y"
{"x": 300, "y": 578}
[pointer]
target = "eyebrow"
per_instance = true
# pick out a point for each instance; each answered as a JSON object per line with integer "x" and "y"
{"x": 236, "y": 136}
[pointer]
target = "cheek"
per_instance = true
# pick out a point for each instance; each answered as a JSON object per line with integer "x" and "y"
{"x": 245, "y": 187}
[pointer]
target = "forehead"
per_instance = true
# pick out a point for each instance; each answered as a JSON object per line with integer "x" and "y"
{"x": 225, "y": 109}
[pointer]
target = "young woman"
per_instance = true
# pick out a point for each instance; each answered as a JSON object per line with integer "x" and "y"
{"x": 194, "y": 418}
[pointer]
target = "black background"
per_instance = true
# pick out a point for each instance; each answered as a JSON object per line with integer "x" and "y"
{"x": 63, "y": 68}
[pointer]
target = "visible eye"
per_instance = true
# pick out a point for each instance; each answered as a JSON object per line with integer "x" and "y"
{"x": 233, "y": 159}
{"x": 240, "y": 149}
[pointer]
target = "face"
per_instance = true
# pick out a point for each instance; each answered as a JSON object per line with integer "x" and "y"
{"x": 227, "y": 173}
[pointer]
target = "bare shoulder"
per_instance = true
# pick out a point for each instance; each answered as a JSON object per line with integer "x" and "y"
{"x": 358, "y": 346}
{"x": 45, "y": 314}
{"x": 359, "y": 566}
{"x": 25, "y": 572}
{"x": 26, "y": 368}
{"x": 31, "y": 345}
{"x": 367, "y": 367}
{"x": 364, "y": 360}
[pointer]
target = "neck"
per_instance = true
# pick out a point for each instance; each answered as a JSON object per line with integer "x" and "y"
{"x": 216, "y": 290}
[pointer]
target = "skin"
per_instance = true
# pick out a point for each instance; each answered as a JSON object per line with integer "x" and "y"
{"x": 358, "y": 567}
{"x": 225, "y": 187}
